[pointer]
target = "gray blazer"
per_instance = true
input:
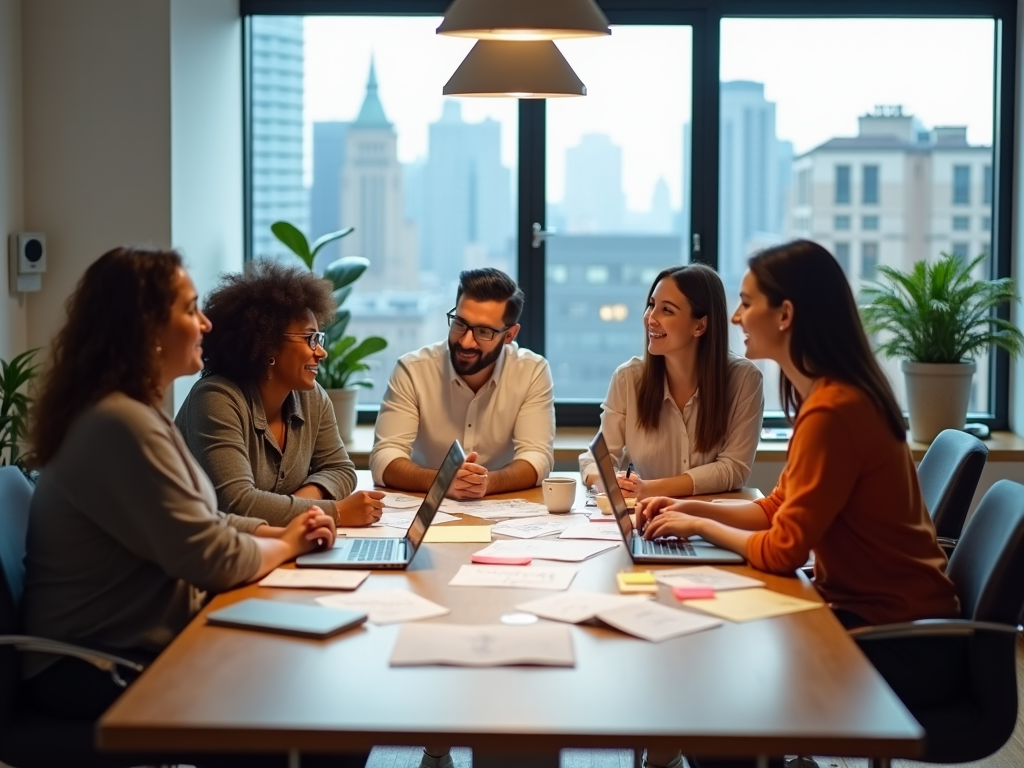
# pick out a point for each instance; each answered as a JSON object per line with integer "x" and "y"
{"x": 225, "y": 427}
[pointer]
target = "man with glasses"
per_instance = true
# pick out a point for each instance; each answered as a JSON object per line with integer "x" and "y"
{"x": 478, "y": 387}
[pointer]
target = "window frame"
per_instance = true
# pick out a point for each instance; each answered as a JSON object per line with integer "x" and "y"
{"x": 705, "y": 17}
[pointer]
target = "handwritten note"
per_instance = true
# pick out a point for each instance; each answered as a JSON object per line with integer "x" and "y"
{"x": 597, "y": 531}
{"x": 313, "y": 578}
{"x": 387, "y": 606}
{"x": 574, "y": 607}
{"x": 483, "y": 645}
{"x": 654, "y": 621}
{"x": 706, "y": 576}
{"x": 514, "y": 576}
{"x": 403, "y": 519}
{"x": 492, "y": 509}
{"x": 751, "y": 604}
{"x": 533, "y": 527}
{"x": 558, "y": 549}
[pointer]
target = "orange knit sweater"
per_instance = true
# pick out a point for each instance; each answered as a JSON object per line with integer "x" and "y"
{"x": 849, "y": 492}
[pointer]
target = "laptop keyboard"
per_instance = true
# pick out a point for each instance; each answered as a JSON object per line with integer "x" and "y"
{"x": 372, "y": 549}
{"x": 676, "y": 547}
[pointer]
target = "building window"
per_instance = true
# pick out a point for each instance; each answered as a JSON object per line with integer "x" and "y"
{"x": 986, "y": 224}
{"x": 803, "y": 186}
{"x": 843, "y": 256}
{"x": 986, "y": 185}
{"x": 961, "y": 223}
{"x": 960, "y": 250}
{"x": 870, "y": 191}
{"x": 842, "y": 184}
{"x": 558, "y": 273}
{"x": 841, "y": 223}
{"x": 596, "y": 274}
{"x": 869, "y": 261}
{"x": 869, "y": 223}
{"x": 961, "y": 184}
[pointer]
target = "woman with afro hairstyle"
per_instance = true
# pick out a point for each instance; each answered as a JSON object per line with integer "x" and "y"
{"x": 257, "y": 421}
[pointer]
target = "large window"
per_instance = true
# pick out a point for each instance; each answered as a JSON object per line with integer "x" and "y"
{"x": 706, "y": 134}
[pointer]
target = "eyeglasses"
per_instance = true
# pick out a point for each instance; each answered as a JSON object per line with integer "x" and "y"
{"x": 315, "y": 339}
{"x": 458, "y": 328}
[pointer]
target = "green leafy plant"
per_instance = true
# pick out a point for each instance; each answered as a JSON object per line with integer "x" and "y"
{"x": 345, "y": 355}
{"x": 14, "y": 376}
{"x": 938, "y": 313}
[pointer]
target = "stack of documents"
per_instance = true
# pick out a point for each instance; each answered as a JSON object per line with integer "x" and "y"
{"x": 557, "y": 549}
{"x": 492, "y": 509}
{"x": 483, "y": 645}
{"x": 387, "y": 606}
{"x": 533, "y": 527}
{"x": 515, "y": 576}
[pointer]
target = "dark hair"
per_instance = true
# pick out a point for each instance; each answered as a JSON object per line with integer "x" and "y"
{"x": 250, "y": 312}
{"x": 107, "y": 343}
{"x": 702, "y": 287}
{"x": 489, "y": 284}
{"x": 828, "y": 338}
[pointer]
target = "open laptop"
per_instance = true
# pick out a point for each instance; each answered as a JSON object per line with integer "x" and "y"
{"x": 641, "y": 550}
{"x": 392, "y": 553}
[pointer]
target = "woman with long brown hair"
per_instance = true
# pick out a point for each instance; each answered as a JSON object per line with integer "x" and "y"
{"x": 124, "y": 535}
{"x": 686, "y": 418}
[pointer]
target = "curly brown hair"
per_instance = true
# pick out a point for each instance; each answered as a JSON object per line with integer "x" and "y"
{"x": 250, "y": 312}
{"x": 107, "y": 343}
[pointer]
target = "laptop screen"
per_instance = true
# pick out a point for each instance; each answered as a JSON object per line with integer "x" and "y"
{"x": 606, "y": 473}
{"x": 435, "y": 494}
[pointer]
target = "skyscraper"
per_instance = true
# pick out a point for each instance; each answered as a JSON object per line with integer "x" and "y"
{"x": 594, "y": 200}
{"x": 277, "y": 95}
{"x": 325, "y": 196}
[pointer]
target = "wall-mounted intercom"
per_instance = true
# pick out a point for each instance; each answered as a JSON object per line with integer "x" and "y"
{"x": 27, "y": 260}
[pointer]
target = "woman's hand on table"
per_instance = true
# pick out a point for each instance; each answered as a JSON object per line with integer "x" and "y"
{"x": 313, "y": 529}
{"x": 359, "y": 509}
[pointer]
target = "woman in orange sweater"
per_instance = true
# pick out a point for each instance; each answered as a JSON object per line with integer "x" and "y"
{"x": 849, "y": 491}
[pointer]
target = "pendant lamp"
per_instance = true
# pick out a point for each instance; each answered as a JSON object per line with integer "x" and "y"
{"x": 533, "y": 69}
{"x": 524, "y": 19}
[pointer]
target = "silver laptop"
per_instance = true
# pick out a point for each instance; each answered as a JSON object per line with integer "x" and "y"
{"x": 692, "y": 552}
{"x": 392, "y": 553}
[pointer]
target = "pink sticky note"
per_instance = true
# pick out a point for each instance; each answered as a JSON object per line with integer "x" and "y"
{"x": 498, "y": 560}
{"x": 692, "y": 593}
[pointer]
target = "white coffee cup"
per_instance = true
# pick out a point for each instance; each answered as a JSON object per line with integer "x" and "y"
{"x": 559, "y": 494}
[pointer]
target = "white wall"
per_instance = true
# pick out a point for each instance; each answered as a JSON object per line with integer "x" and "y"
{"x": 1017, "y": 371}
{"x": 12, "y": 309}
{"x": 206, "y": 142}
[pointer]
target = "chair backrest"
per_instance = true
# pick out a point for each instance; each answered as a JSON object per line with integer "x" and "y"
{"x": 15, "y": 496}
{"x": 949, "y": 474}
{"x": 987, "y": 565}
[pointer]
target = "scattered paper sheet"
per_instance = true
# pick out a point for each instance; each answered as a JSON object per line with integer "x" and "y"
{"x": 371, "y": 532}
{"x": 401, "y": 501}
{"x": 483, "y": 645}
{"x": 516, "y": 576}
{"x": 491, "y": 509}
{"x": 456, "y": 534}
{"x": 598, "y": 531}
{"x": 706, "y": 576}
{"x": 387, "y": 606}
{"x": 313, "y": 578}
{"x": 532, "y": 527}
{"x": 541, "y": 549}
{"x": 574, "y": 607}
{"x": 403, "y": 519}
{"x": 751, "y": 604}
{"x": 655, "y": 622}
{"x": 601, "y": 517}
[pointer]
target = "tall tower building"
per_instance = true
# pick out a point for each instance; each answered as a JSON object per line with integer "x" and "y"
{"x": 277, "y": 94}
{"x": 325, "y": 196}
{"x": 467, "y": 211}
{"x": 594, "y": 200}
{"x": 372, "y": 199}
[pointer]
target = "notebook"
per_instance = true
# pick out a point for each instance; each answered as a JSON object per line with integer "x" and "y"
{"x": 286, "y": 618}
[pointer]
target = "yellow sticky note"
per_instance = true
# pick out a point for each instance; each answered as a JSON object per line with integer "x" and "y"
{"x": 751, "y": 604}
{"x": 449, "y": 534}
{"x": 637, "y": 583}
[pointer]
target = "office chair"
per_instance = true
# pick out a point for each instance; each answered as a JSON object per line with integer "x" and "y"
{"x": 987, "y": 568}
{"x": 949, "y": 474}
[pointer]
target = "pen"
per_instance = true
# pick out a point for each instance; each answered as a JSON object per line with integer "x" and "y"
{"x": 629, "y": 470}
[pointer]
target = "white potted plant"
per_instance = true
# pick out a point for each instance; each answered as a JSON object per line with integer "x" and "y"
{"x": 937, "y": 318}
{"x": 340, "y": 373}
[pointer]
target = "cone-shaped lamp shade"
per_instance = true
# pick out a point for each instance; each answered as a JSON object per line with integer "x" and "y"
{"x": 532, "y": 69}
{"x": 524, "y": 19}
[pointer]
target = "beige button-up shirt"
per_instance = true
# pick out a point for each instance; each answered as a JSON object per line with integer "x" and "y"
{"x": 427, "y": 405}
{"x": 669, "y": 451}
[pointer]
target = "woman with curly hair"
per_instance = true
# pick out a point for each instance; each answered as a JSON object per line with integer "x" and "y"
{"x": 124, "y": 530}
{"x": 257, "y": 421}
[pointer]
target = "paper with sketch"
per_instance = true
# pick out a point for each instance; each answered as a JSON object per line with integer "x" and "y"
{"x": 490, "y": 509}
{"x": 655, "y": 622}
{"x": 515, "y": 576}
{"x": 597, "y": 531}
{"x": 574, "y": 607}
{"x": 401, "y": 501}
{"x": 313, "y": 578}
{"x": 458, "y": 534}
{"x": 541, "y": 549}
{"x": 483, "y": 645}
{"x": 387, "y": 606}
{"x": 370, "y": 532}
{"x": 532, "y": 527}
{"x": 706, "y": 576}
{"x": 403, "y": 519}
{"x": 751, "y": 604}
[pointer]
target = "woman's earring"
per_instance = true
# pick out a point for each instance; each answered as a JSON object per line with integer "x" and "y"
{"x": 159, "y": 349}
{"x": 270, "y": 363}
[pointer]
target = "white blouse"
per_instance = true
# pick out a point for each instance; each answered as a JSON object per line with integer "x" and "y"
{"x": 669, "y": 451}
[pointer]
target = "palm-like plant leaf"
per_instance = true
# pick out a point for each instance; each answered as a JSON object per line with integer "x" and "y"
{"x": 297, "y": 243}
{"x": 14, "y": 404}
{"x": 330, "y": 237}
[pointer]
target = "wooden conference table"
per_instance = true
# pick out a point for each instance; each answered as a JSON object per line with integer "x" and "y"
{"x": 794, "y": 684}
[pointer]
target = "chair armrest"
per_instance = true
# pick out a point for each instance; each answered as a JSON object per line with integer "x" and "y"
{"x": 929, "y": 628}
{"x": 106, "y": 662}
{"x": 947, "y": 544}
